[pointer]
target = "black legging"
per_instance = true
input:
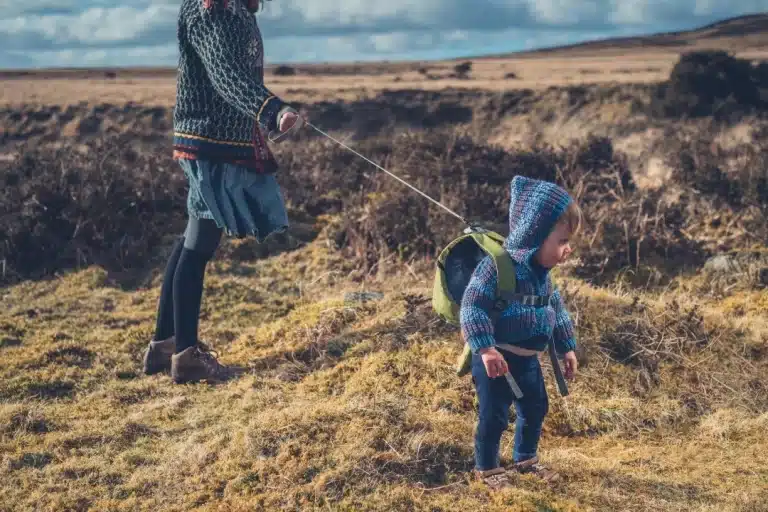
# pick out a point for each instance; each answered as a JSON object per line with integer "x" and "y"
{"x": 202, "y": 236}
{"x": 182, "y": 289}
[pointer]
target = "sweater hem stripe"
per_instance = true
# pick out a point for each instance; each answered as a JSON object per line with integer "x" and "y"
{"x": 181, "y": 135}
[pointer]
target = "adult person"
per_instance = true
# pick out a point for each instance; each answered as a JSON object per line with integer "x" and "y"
{"x": 222, "y": 111}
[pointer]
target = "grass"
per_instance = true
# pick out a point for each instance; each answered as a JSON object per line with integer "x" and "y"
{"x": 355, "y": 406}
{"x": 352, "y": 406}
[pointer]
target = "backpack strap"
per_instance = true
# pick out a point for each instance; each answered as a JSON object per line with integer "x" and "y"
{"x": 507, "y": 280}
{"x": 505, "y": 266}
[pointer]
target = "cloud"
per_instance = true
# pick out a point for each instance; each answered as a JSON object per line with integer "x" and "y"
{"x": 317, "y": 17}
{"x": 12, "y": 8}
{"x": 312, "y": 17}
{"x": 96, "y": 32}
{"x": 93, "y": 27}
{"x": 567, "y": 12}
{"x": 163, "y": 55}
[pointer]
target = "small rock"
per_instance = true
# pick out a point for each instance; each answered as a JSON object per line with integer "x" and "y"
{"x": 9, "y": 342}
{"x": 30, "y": 460}
{"x": 363, "y": 297}
{"x": 722, "y": 263}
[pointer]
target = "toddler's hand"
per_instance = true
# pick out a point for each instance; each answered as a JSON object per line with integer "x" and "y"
{"x": 570, "y": 363}
{"x": 494, "y": 362}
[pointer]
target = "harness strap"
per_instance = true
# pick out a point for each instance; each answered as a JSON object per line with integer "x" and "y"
{"x": 539, "y": 301}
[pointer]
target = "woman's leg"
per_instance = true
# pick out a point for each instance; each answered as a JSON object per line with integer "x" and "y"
{"x": 201, "y": 239}
{"x": 164, "y": 327}
{"x": 193, "y": 361}
{"x": 157, "y": 356}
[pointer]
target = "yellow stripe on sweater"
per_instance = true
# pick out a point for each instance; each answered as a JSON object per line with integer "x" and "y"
{"x": 215, "y": 141}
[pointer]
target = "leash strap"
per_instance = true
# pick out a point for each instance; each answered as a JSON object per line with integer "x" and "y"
{"x": 512, "y": 384}
{"x": 561, "y": 384}
{"x": 438, "y": 203}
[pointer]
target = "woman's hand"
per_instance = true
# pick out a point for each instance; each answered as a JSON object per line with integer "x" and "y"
{"x": 494, "y": 362}
{"x": 290, "y": 119}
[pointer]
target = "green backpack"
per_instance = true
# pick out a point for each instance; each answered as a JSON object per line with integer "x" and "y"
{"x": 455, "y": 266}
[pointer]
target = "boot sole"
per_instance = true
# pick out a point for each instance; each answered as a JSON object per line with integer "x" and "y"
{"x": 177, "y": 380}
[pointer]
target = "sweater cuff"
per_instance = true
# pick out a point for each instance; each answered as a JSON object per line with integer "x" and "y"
{"x": 267, "y": 115}
{"x": 477, "y": 343}
{"x": 565, "y": 346}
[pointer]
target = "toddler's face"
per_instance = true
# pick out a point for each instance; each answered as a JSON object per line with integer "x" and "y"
{"x": 556, "y": 248}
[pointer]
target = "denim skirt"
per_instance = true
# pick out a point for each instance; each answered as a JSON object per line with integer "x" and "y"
{"x": 240, "y": 201}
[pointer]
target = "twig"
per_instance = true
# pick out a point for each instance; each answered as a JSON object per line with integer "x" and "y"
{"x": 393, "y": 449}
{"x": 375, "y": 265}
{"x": 625, "y": 418}
{"x": 410, "y": 269}
{"x": 430, "y": 489}
{"x": 726, "y": 386}
{"x": 744, "y": 359}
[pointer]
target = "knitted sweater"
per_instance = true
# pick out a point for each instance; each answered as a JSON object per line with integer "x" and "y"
{"x": 222, "y": 105}
{"x": 535, "y": 207}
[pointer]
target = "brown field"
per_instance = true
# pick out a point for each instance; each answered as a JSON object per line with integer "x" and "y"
{"x": 354, "y": 406}
{"x": 158, "y": 87}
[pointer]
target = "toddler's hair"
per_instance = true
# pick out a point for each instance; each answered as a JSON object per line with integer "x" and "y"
{"x": 572, "y": 218}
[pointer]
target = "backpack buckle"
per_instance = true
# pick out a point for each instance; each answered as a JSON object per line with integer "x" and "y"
{"x": 474, "y": 229}
{"x": 528, "y": 300}
{"x": 538, "y": 301}
{"x": 500, "y": 305}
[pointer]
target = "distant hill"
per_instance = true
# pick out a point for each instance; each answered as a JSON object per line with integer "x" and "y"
{"x": 743, "y": 33}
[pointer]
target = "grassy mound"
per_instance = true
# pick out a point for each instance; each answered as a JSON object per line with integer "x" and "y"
{"x": 712, "y": 83}
{"x": 102, "y": 204}
{"x": 737, "y": 175}
{"x": 110, "y": 204}
{"x": 354, "y": 406}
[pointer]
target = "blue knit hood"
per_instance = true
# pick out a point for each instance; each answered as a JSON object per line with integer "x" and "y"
{"x": 534, "y": 208}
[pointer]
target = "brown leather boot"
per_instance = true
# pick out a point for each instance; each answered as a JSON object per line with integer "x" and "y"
{"x": 197, "y": 363}
{"x": 494, "y": 478}
{"x": 157, "y": 357}
{"x": 532, "y": 466}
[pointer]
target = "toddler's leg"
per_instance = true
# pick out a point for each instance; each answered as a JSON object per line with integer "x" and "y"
{"x": 531, "y": 409}
{"x": 495, "y": 398}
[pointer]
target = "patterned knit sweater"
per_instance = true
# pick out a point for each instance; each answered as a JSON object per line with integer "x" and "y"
{"x": 535, "y": 207}
{"x": 222, "y": 105}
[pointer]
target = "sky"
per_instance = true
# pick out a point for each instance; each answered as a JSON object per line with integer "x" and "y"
{"x": 116, "y": 33}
